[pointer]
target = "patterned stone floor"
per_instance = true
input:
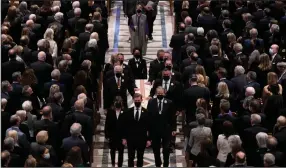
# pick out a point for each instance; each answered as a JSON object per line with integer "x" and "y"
{"x": 118, "y": 41}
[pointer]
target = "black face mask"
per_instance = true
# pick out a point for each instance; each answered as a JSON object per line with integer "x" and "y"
{"x": 117, "y": 105}
{"x": 137, "y": 104}
{"x": 121, "y": 62}
{"x": 118, "y": 75}
{"x": 168, "y": 67}
{"x": 160, "y": 97}
{"x": 166, "y": 78}
{"x": 137, "y": 56}
{"x": 139, "y": 10}
{"x": 161, "y": 59}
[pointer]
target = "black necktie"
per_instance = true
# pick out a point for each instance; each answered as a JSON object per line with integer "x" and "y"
{"x": 137, "y": 115}
{"x": 166, "y": 86}
{"x": 160, "y": 106}
{"x": 138, "y": 23}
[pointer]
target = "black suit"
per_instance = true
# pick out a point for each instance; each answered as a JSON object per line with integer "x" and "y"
{"x": 17, "y": 88}
{"x": 26, "y": 55}
{"x": 238, "y": 84}
{"x": 42, "y": 71}
{"x": 51, "y": 127}
{"x": 223, "y": 38}
{"x": 276, "y": 59}
{"x": 208, "y": 22}
{"x": 138, "y": 68}
{"x": 190, "y": 97}
{"x": 136, "y": 133}
{"x": 162, "y": 124}
{"x": 83, "y": 38}
{"x": 102, "y": 35}
{"x": 112, "y": 90}
{"x": 177, "y": 41}
{"x": 48, "y": 85}
{"x": 113, "y": 132}
{"x": 155, "y": 68}
{"x": 58, "y": 112}
{"x": 174, "y": 92}
{"x": 49, "y": 58}
{"x": 185, "y": 47}
{"x": 256, "y": 87}
{"x": 177, "y": 76}
{"x": 9, "y": 67}
{"x": 280, "y": 135}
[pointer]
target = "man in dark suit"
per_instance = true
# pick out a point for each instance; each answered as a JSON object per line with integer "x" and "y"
{"x": 156, "y": 66}
{"x": 74, "y": 28}
{"x": 190, "y": 97}
{"x": 275, "y": 57}
{"x": 163, "y": 123}
{"x": 238, "y": 81}
{"x": 80, "y": 117}
{"x": 17, "y": 87}
{"x": 251, "y": 82}
{"x": 247, "y": 17}
{"x": 84, "y": 37}
{"x": 207, "y": 20}
{"x": 177, "y": 41}
{"x": 249, "y": 136}
{"x": 258, "y": 14}
{"x": 11, "y": 66}
{"x": 42, "y": 69}
{"x": 42, "y": 46}
{"x": 175, "y": 75}
{"x": 5, "y": 118}
{"x": 55, "y": 75}
{"x": 76, "y": 139}
{"x": 173, "y": 88}
{"x": 57, "y": 109}
{"x": 189, "y": 69}
{"x": 138, "y": 65}
{"x": 117, "y": 86}
{"x": 280, "y": 133}
{"x": 188, "y": 47}
{"x": 237, "y": 17}
{"x": 279, "y": 156}
{"x": 47, "y": 124}
{"x": 189, "y": 28}
{"x": 102, "y": 33}
{"x": 136, "y": 131}
{"x": 221, "y": 74}
{"x": 59, "y": 28}
{"x": 226, "y": 25}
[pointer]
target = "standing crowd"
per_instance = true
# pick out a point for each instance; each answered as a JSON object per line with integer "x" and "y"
{"x": 225, "y": 76}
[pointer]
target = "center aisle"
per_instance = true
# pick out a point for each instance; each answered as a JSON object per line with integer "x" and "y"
{"x": 118, "y": 41}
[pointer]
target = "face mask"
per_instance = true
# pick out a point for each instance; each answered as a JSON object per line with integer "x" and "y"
{"x": 166, "y": 78}
{"x": 47, "y": 156}
{"x": 165, "y": 59}
{"x": 161, "y": 59}
{"x": 137, "y": 56}
{"x": 118, "y": 75}
{"x": 139, "y": 10}
{"x": 160, "y": 97}
{"x": 137, "y": 104}
{"x": 121, "y": 62}
{"x": 270, "y": 51}
{"x": 169, "y": 67}
{"x": 118, "y": 105}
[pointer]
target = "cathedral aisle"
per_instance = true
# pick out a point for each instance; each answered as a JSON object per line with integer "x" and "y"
{"x": 118, "y": 41}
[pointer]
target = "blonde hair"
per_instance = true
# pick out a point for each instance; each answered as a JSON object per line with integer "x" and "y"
{"x": 272, "y": 78}
{"x": 54, "y": 89}
{"x": 49, "y": 34}
{"x": 201, "y": 80}
{"x": 222, "y": 89}
{"x": 264, "y": 62}
{"x": 13, "y": 134}
{"x": 185, "y": 4}
{"x": 201, "y": 70}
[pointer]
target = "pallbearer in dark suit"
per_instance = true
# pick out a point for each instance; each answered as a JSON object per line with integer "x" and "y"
{"x": 162, "y": 124}
{"x": 136, "y": 131}
{"x": 113, "y": 130}
{"x": 138, "y": 65}
{"x": 117, "y": 85}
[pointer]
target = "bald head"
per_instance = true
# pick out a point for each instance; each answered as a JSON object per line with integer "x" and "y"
{"x": 249, "y": 91}
{"x": 240, "y": 157}
{"x": 33, "y": 17}
{"x": 29, "y": 23}
{"x": 281, "y": 121}
{"x": 188, "y": 21}
{"x": 275, "y": 48}
{"x": 47, "y": 111}
{"x": 42, "y": 56}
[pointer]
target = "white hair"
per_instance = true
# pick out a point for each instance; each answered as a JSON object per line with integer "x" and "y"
{"x": 27, "y": 106}
{"x": 75, "y": 129}
{"x": 56, "y": 9}
{"x": 3, "y": 102}
{"x": 261, "y": 139}
{"x": 89, "y": 27}
{"x": 55, "y": 74}
{"x": 41, "y": 43}
{"x": 253, "y": 32}
{"x": 92, "y": 43}
{"x": 77, "y": 11}
{"x": 200, "y": 31}
{"x": 239, "y": 70}
{"x": 94, "y": 35}
{"x": 75, "y": 4}
{"x": 250, "y": 91}
{"x": 255, "y": 119}
{"x": 275, "y": 28}
{"x": 59, "y": 16}
{"x": 42, "y": 56}
{"x": 21, "y": 113}
{"x": 238, "y": 46}
{"x": 49, "y": 34}
{"x": 32, "y": 17}
{"x": 269, "y": 159}
{"x": 234, "y": 140}
{"x": 118, "y": 67}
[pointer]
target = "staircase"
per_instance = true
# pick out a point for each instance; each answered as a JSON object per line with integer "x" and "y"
{"x": 118, "y": 41}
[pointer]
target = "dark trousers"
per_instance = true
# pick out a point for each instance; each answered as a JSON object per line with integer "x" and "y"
{"x": 120, "y": 148}
{"x": 132, "y": 148}
{"x": 156, "y": 145}
{"x": 150, "y": 20}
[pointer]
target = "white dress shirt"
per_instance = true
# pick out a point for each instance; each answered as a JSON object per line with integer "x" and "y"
{"x": 273, "y": 56}
{"x": 139, "y": 111}
{"x": 137, "y": 61}
{"x": 117, "y": 113}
